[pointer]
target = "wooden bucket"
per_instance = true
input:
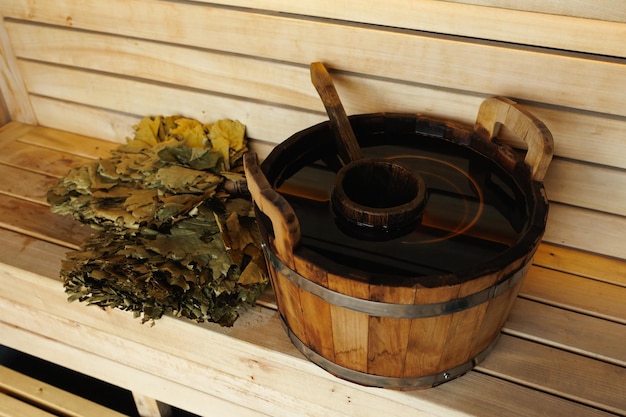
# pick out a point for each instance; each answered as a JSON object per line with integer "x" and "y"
{"x": 372, "y": 325}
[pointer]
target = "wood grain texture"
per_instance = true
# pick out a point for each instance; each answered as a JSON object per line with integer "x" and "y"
{"x": 117, "y": 374}
{"x": 581, "y": 135}
{"x": 316, "y": 312}
{"x": 347, "y": 398}
{"x": 568, "y": 330}
{"x": 302, "y": 41}
{"x": 588, "y": 230}
{"x": 47, "y": 397}
{"x": 603, "y": 9}
{"x": 495, "y": 22}
{"x": 12, "y": 407}
{"x": 25, "y": 184}
{"x": 557, "y": 288}
{"x": 145, "y": 98}
{"x": 5, "y": 117}
{"x": 38, "y": 159}
{"x": 461, "y": 400}
{"x": 16, "y": 103}
{"x": 85, "y": 147}
{"x": 36, "y": 220}
{"x": 588, "y": 186}
{"x": 350, "y": 328}
{"x": 599, "y": 268}
{"x": 428, "y": 336}
{"x": 534, "y": 365}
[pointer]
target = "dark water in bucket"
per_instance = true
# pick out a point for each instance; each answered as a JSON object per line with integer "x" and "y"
{"x": 474, "y": 211}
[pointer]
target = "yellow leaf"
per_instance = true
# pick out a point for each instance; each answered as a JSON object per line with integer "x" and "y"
{"x": 253, "y": 274}
{"x": 147, "y": 130}
{"x": 191, "y": 132}
{"x": 226, "y": 136}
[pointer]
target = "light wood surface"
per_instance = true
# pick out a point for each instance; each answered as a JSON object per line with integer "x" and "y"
{"x": 603, "y": 9}
{"x": 15, "y": 101}
{"x": 502, "y": 20}
{"x": 22, "y": 396}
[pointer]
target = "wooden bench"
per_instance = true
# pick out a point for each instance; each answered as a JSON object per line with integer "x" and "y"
{"x": 77, "y": 75}
{"x": 23, "y": 396}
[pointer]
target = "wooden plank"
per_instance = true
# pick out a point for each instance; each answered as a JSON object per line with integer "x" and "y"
{"x": 12, "y": 131}
{"x": 602, "y": 9}
{"x": 24, "y": 184}
{"x": 533, "y": 365}
{"x": 584, "y": 82}
{"x": 493, "y": 23}
{"x": 504, "y": 399}
{"x": 234, "y": 75}
{"x": 49, "y": 397}
{"x": 478, "y": 22}
{"x": 588, "y": 186}
{"x": 19, "y": 250}
{"x": 595, "y": 298}
{"x": 12, "y": 407}
{"x": 587, "y": 230}
{"x": 88, "y": 363}
{"x": 12, "y": 88}
{"x": 149, "y": 407}
{"x": 586, "y": 136}
{"x": 5, "y": 117}
{"x": 574, "y": 332}
{"x": 36, "y": 220}
{"x": 129, "y": 96}
{"x": 80, "y": 145}
{"x": 580, "y": 263}
{"x": 112, "y": 126}
{"x": 249, "y": 386}
{"x": 37, "y": 159}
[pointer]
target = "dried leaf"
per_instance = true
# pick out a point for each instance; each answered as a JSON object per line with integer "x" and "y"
{"x": 147, "y": 130}
{"x": 191, "y": 132}
{"x": 164, "y": 216}
{"x": 227, "y": 138}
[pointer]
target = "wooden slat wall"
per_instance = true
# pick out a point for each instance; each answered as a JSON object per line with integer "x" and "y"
{"x": 95, "y": 68}
{"x": 599, "y": 9}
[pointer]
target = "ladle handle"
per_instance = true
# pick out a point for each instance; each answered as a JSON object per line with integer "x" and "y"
{"x": 496, "y": 112}
{"x": 347, "y": 145}
{"x": 285, "y": 224}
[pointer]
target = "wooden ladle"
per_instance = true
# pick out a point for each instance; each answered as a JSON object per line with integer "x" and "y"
{"x": 347, "y": 146}
{"x": 373, "y": 198}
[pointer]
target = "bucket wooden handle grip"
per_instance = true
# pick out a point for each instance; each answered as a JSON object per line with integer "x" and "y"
{"x": 495, "y": 112}
{"x": 284, "y": 221}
